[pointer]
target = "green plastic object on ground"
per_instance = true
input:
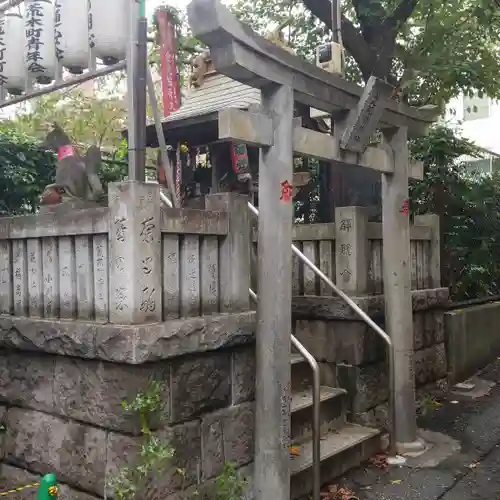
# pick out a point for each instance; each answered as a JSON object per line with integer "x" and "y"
{"x": 49, "y": 489}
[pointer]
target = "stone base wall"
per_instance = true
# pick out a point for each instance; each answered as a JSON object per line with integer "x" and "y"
{"x": 63, "y": 414}
{"x": 353, "y": 356}
{"x": 472, "y": 339}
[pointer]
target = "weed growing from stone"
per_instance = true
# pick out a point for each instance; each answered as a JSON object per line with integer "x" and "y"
{"x": 230, "y": 484}
{"x": 154, "y": 455}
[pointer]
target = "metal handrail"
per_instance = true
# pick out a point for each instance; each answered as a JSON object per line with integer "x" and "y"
{"x": 316, "y": 424}
{"x": 369, "y": 322}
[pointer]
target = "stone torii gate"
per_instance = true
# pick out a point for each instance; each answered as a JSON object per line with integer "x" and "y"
{"x": 283, "y": 78}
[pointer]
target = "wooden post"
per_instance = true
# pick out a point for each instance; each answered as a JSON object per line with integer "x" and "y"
{"x": 135, "y": 253}
{"x": 234, "y": 251}
{"x": 272, "y": 460}
{"x": 397, "y": 285}
{"x": 432, "y": 220}
{"x": 351, "y": 248}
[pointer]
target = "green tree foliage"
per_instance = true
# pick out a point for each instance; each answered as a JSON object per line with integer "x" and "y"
{"x": 25, "y": 170}
{"x": 88, "y": 118}
{"x": 434, "y": 49}
{"x": 469, "y": 210}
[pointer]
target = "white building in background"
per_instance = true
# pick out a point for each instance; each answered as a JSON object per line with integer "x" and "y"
{"x": 478, "y": 118}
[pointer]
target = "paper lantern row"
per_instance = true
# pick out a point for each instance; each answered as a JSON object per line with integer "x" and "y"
{"x": 50, "y": 33}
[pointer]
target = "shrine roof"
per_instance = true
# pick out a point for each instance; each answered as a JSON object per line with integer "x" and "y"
{"x": 217, "y": 92}
{"x": 196, "y": 120}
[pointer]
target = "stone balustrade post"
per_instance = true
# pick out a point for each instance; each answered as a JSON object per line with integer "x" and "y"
{"x": 234, "y": 254}
{"x": 135, "y": 253}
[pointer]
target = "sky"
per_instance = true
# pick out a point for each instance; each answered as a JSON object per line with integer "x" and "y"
{"x": 152, "y": 4}
{"x": 179, "y": 4}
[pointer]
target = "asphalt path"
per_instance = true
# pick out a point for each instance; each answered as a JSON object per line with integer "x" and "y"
{"x": 472, "y": 473}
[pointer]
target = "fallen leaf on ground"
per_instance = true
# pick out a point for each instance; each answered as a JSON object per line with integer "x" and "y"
{"x": 335, "y": 492}
{"x": 379, "y": 461}
{"x": 396, "y": 481}
{"x": 435, "y": 404}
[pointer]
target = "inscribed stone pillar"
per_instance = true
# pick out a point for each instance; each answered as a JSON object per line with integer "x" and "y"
{"x": 135, "y": 253}
{"x": 397, "y": 284}
{"x": 351, "y": 249}
{"x": 272, "y": 416}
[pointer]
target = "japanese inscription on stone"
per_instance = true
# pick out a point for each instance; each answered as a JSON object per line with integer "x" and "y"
{"x": 146, "y": 265}
{"x": 345, "y": 249}
{"x": 350, "y": 248}
{"x": 171, "y": 275}
{"x": 363, "y": 120}
{"x": 209, "y": 274}
{"x": 100, "y": 251}
{"x": 4, "y": 263}
{"x": 121, "y": 235}
{"x": 50, "y": 277}
{"x": 19, "y": 264}
{"x": 346, "y": 225}
{"x": 120, "y": 229}
{"x": 67, "y": 278}
{"x": 135, "y": 277}
{"x": 285, "y": 415}
{"x": 121, "y": 297}
{"x": 190, "y": 279}
{"x": 84, "y": 277}
{"x": 5, "y": 278}
{"x": 34, "y": 276}
{"x": 148, "y": 302}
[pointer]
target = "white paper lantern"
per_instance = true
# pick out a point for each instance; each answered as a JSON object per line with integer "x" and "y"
{"x": 71, "y": 34}
{"x": 12, "y": 72}
{"x": 108, "y": 29}
{"x": 40, "y": 51}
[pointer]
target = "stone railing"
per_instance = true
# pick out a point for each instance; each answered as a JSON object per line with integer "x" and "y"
{"x": 350, "y": 254}
{"x": 131, "y": 263}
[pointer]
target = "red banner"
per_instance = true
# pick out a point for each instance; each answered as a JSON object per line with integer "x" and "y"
{"x": 168, "y": 60}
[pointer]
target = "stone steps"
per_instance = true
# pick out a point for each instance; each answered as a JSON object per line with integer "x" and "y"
{"x": 332, "y": 414}
{"x": 340, "y": 451}
{"x": 343, "y": 445}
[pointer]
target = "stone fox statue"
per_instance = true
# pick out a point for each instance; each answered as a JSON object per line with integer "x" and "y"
{"x": 76, "y": 176}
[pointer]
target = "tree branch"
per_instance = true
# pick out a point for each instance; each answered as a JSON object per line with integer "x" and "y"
{"x": 400, "y": 15}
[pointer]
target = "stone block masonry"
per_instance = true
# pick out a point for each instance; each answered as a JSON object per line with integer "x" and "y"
{"x": 62, "y": 411}
{"x": 354, "y": 356}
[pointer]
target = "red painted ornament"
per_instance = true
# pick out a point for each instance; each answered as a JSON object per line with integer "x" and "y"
{"x": 286, "y": 191}
{"x": 405, "y": 209}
